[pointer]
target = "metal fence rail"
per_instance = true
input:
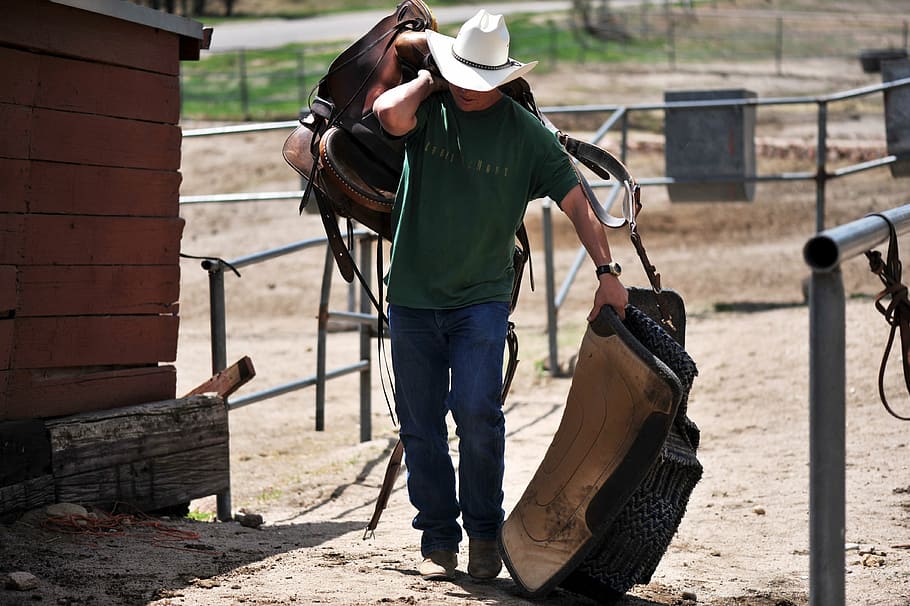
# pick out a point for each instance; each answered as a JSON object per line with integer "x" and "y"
{"x": 824, "y": 253}
{"x": 826, "y": 313}
{"x": 619, "y": 116}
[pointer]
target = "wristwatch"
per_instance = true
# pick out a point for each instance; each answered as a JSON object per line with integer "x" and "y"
{"x": 613, "y": 268}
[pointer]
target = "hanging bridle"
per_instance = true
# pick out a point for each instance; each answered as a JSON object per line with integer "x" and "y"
{"x": 896, "y": 311}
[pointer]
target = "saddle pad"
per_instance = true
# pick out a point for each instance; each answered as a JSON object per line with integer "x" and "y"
{"x": 618, "y": 413}
{"x": 629, "y": 551}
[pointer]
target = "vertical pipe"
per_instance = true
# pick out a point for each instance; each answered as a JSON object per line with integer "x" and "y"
{"x": 553, "y": 44}
{"x": 624, "y": 146}
{"x": 779, "y": 46}
{"x": 321, "y": 334}
{"x": 821, "y": 174}
{"x": 550, "y": 287}
{"x": 671, "y": 44}
{"x": 301, "y": 79}
{"x": 219, "y": 361}
{"x": 217, "y": 318}
{"x": 827, "y": 430}
{"x": 244, "y": 85}
{"x": 366, "y": 375}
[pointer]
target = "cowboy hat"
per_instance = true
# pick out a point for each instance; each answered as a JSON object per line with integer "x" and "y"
{"x": 478, "y": 58}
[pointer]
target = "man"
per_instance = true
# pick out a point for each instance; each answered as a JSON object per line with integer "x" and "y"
{"x": 473, "y": 160}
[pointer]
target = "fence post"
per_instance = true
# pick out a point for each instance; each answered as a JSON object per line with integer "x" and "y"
{"x": 244, "y": 86}
{"x": 821, "y": 174}
{"x": 366, "y": 375}
{"x": 550, "y": 289}
{"x": 779, "y": 46}
{"x": 219, "y": 356}
{"x": 671, "y": 44}
{"x": 301, "y": 79}
{"x": 321, "y": 335}
{"x": 827, "y": 431}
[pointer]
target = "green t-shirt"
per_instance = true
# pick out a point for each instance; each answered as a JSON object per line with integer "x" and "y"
{"x": 466, "y": 181}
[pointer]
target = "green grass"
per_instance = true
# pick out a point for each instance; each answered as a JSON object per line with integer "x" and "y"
{"x": 201, "y": 516}
{"x": 275, "y": 84}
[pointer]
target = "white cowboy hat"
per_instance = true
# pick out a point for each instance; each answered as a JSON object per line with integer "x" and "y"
{"x": 478, "y": 59}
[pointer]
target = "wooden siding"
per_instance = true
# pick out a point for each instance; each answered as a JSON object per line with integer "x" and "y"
{"x": 70, "y": 32}
{"x": 54, "y": 393}
{"x": 89, "y": 211}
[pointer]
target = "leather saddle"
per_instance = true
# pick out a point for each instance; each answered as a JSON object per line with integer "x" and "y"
{"x": 350, "y": 165}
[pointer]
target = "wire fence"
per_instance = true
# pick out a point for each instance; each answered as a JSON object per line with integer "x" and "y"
{"x": 276, "y": 84}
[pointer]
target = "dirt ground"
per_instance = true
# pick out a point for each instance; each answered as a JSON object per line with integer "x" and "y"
{"x": 738, "y": 266}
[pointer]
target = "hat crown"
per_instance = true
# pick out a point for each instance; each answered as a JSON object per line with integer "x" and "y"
{"x": 483, "y": 40}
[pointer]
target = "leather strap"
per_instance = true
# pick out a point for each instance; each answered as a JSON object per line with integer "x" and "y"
{"x": 388, "y": 482}
{"x": 340, "y": 251}
{"x": 896, "y": 312}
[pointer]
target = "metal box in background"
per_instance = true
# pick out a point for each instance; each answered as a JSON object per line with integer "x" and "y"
{"x": 710, "y": 143}
{"x": 897, "y": 116}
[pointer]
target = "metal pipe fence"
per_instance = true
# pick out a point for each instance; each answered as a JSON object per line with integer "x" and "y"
{"x": 556, "y": 296}
{"x": 824, "y": 253}
{"x": 826, "y": 312}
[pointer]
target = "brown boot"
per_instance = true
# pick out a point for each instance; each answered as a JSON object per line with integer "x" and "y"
{"x": 484, "y": 561}
{"x": 438, "y": 566}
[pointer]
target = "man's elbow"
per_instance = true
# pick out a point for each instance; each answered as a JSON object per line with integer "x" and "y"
{"x": 389, "y": 118}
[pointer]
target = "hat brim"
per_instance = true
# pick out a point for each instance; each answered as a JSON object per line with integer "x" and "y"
{"x": 465, "y": 76}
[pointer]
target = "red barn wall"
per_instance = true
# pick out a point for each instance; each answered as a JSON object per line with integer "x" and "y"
{"x": 89, "y": 221}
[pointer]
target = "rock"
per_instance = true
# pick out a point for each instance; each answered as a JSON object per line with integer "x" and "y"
{"x": 689, "y": 596}
{"x": 21, "y": 581}
{"x": 61, "y": 510}
{"x": 872, "y": 560}
{"x": 250, "y": 520}
{"x": 758, "y": 510}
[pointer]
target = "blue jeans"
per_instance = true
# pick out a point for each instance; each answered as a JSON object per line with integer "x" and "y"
{"x": 428, "y": 347}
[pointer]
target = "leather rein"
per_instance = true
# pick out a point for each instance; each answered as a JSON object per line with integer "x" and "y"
{"x": 896, "y": 312}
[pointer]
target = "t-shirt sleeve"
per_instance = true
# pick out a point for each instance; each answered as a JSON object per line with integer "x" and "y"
{"x": 555, "y": 175}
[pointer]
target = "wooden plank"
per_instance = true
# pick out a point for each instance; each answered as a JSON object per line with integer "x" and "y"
{"x": 89, "y": 240}
{"x": 95, "y": 88}
{"x": 27, "y": 494}
{"x": 15, "y": 130}
{"x": 11, "y": 240}
{"x": 67, "y": 31}
{"x": 44, "y": 393}
{"x": 228, "y": 380}
{"x": 59, "y": 290}
{"x": 94, "y": 341}
{"x": 14, "y": 184}
{"x": 19, "y": 74}
{"x": 60, "y": 136}
{"x": 153, "y": 482}
{"x": 99, "y": 440}
{"x": 99, "y": 190}
{"x": 7, "y": 333}
{"x": 25, "y": 451}
{"x": 9, "y": 297}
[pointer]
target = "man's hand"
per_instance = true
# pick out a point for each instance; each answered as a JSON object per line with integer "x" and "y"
{"x": 396, "y": 108}
{"x": 610, "y": 292}
{"x": 436, "y": 82}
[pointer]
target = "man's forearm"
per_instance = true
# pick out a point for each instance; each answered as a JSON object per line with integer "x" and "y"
{"x": 397, "y": 107}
